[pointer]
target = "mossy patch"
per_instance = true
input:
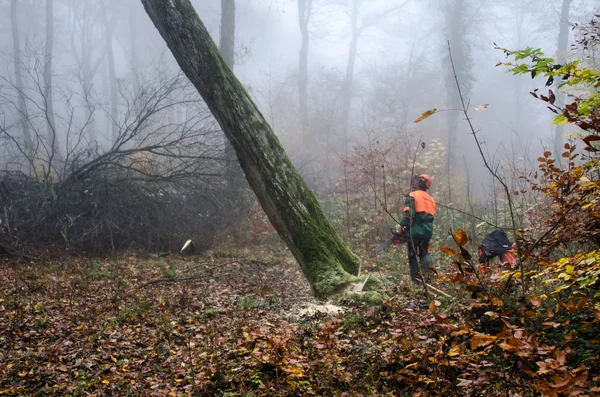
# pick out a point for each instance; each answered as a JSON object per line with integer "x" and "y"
{"x": 373, "y": 284}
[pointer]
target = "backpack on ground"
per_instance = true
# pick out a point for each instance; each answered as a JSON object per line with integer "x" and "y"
{"x": 496, "y": 244}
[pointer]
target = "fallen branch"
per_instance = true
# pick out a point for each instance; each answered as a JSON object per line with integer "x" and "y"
{"x": 440, "y": 291}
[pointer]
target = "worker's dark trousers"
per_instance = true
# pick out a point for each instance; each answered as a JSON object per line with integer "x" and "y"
{"x": 418, "y": 252}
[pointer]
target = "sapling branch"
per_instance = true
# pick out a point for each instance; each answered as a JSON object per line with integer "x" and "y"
{"x": 468, "y": 262}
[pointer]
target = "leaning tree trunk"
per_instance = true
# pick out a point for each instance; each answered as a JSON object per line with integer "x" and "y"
{"x": 291, "y": 207}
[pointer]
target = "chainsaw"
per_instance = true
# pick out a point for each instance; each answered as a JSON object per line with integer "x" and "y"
{"x": 397, "y": 238}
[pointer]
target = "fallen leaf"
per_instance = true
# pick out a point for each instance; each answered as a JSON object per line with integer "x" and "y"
{"x": 481, "y": 340}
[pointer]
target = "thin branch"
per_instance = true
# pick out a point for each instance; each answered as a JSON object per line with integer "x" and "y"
{"x": 494, "y": 173}
{"x": 474, "y": 216}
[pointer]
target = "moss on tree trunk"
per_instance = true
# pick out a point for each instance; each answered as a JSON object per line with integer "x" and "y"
{"x": 291, "y": 207}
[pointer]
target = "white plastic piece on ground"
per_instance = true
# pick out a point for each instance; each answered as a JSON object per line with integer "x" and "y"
{"x": 187, "y": 247}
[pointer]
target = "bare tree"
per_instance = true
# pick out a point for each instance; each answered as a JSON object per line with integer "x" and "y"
{"x": 154, "y": 177}
{"x": 291, "y": 207}
{"x": 347, "y": 88}
{"x": 358, "y": 28}
{"x": 88, "y": 49}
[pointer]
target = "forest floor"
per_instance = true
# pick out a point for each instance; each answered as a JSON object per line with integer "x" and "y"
{"x": 208, "y": 325}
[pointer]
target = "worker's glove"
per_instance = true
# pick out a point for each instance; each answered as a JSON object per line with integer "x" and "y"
{"x": 398, "y": 234}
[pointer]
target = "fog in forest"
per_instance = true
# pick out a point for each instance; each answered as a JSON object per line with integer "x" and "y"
{"x": 91, "y": 100}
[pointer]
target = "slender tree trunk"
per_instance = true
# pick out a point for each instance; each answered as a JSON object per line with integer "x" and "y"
{"x": 23, "y": 115}
{"x": 452, "y": 132}
{"x": 304, "y": 13}
{"x": 291, "y": 207}
{"x": 561, "y": 55}
{"x": 135, "y": 59}
{"x": 88, "y": 84}
{"x": 227, "y": 40}
{"x": 112, "y": 78}
{"x": 349, "y": 80}
{"x": 49, "y": 105}
{"x": 456, "y": 32}
{"x": 347, "y": 98}
{"x": 233, "y": 173}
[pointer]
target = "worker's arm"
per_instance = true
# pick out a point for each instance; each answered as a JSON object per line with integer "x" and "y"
{"x": 409, "y": 212}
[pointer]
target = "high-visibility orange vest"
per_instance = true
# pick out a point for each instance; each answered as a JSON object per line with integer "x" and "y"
{"x": 423, "y": 202}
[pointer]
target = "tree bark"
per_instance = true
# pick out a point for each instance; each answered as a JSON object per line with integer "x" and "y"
{"x": 561, "y": 55}
{"x": 291, "y": 207}
{"x": 23, "y": 114}
{"x": 54, "y": 152}
{"x": 304, "y": 13}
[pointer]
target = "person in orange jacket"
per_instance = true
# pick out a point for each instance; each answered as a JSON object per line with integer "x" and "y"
{"x": 419, "y": 212}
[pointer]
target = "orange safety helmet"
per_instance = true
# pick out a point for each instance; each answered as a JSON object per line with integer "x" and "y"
{"x": 426, "y": 179}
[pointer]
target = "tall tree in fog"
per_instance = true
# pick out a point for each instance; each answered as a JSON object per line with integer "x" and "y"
{"x": 457, "y": 25}
{"x": 349, "y": 79}
{"x": 304, "y": 14}
{"x": 233, "y": 173}
{"x": 357, "y": 29}
{"x": 227, "y": 37}
{"x": 54, "y": 152}
{"x": 561, "y": 55}
{"x": 23, "y": 115}
{"x": 291, "y": 207}
{"x": 134, "y": 44}
{"x": 347, "y": 87}
{"x": 109, "y": 27}
{"x": 88, "y": 49}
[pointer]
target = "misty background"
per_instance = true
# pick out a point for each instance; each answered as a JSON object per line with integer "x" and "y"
{"x": 103, "y": 118}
